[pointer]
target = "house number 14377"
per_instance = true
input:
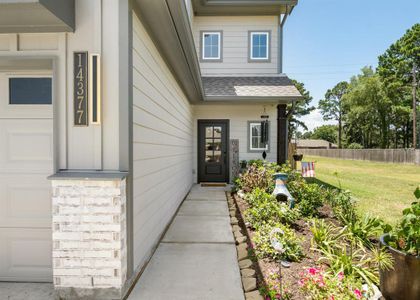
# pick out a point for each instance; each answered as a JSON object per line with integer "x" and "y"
{"x": 80, "y": 90}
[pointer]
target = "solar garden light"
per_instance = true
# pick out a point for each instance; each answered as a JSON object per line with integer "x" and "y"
{"x": 278, "y": 246}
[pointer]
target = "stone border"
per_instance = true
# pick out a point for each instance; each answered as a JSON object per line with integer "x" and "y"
{"x": 248, "y": 272}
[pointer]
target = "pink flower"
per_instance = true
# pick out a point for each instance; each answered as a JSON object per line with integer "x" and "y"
{"x": 313, "y": 271}
{"x": 332, "y": 298}
{"x": 340, "y": 276}
{"x": 358, "y": 293}
{"x": 301, "y": 282}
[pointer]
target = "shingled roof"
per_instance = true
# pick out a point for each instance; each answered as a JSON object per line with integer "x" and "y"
{"x": 274, "y": 86}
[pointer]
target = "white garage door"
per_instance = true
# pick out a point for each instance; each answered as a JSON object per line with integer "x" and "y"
{"x": 26, "y": 159}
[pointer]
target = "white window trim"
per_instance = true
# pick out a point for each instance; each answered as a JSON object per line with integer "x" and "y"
{"x": 218, "y": 33}
{"x": 251, "y": 124}
{"x": 267, "y": 34}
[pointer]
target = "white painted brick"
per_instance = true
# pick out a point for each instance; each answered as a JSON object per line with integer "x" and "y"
{"x": 72, "y": 262}
{"x": 66, "y": 218}
{"x": 104, "y": 263}
{"x": 66, "y": 200}
{"x": 106, "y": 219}
{"x": 102, "y": 209}
{"x": 69, "y": 236}
{"x": 98, "y": 236}
{"x": 67, "y": 253}
{"x": 89, "y": 233}
{"x": 70, "y": 281}
{"x": 67, "y": 272}
{"x": 109, "y": 272}
{"x": 106, "y": 245}
{"x": 97, "y": 200}
{"x": 99, "y": 253}
{"x": 74, "y": 245}
{"x": 71, "y": 210}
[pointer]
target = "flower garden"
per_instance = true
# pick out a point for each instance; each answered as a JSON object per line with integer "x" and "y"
{"x": 317, "y": 247}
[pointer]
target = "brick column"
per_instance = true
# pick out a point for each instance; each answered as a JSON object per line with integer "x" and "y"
{"x": 89, "y": 238}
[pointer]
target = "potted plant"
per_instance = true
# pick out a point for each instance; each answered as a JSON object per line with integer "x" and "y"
{"x": 297, "y": 157}
{"x": 403, "y": 282}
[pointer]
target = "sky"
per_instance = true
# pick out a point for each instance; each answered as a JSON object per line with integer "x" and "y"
{"x": 328, "y": 41}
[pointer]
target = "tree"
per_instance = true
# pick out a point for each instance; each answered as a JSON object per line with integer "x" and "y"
{"x": 398, "y": 67}
{"x": 301, "y": 108}
{"x": 331, "y": 107}
{"x": 368, "y": 109}
{"x": 325, "y": 132}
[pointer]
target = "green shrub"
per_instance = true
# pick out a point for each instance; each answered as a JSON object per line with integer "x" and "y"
{"x": 406, "y": 236}
{"x": 343, "y": 206}
{"x": 309, "y": 196}
{"x": 257, "y": 196}
{"x": 256, "y": 177}
{"x": 270, "y": 212}
{"x": 354, "y": 146}
{"x": 291, "y": 243}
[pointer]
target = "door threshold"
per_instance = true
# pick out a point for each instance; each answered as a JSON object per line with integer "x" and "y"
{"x": 213, "y": 184}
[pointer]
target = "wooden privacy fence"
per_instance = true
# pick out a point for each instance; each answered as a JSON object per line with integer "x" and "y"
{"x": 407, "y": 156}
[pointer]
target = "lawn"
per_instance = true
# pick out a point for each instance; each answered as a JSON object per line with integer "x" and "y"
{"x": 382, "y": 189}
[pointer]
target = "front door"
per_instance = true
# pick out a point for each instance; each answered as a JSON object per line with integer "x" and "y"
{"x": 213, "y": 150}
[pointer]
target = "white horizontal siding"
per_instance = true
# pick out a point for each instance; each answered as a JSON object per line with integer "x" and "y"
{"x": 238, "y": 116}
{"x": 162, "y": 144}
{"x": 235, "y": 44}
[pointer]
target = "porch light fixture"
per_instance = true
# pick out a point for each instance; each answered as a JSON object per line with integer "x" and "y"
{"x": 95, "y": 89}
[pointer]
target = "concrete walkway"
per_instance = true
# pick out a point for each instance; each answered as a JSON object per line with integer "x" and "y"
{"x": 197, "y": 257}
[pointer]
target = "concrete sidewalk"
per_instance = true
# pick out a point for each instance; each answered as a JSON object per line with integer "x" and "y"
{"x": 197, "y": 257}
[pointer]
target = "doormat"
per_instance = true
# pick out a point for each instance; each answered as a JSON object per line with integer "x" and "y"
{"x": 209, "y": 184}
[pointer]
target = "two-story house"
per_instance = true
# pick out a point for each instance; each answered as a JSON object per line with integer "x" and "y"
{"x": 123, "y": 106}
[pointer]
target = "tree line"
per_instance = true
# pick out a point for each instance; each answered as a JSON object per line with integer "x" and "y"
{"x": 376, "y": 108}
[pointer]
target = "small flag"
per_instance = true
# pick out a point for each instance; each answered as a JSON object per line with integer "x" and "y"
{"x": 308, "y": 169}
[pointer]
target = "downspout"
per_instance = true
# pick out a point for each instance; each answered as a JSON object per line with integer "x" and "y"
{"x": 282, "y": 21}
{"x": 282, "y": 115}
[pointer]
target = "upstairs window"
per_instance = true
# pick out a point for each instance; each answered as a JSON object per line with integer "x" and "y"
{"x": 211, "y": 49}
{"x": 259, "y": 46}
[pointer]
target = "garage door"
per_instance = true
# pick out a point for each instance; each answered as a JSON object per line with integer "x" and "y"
{"x": 26, "y": 159}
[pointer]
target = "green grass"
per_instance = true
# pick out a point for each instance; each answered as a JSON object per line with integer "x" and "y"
{"x": 382, "y": 189}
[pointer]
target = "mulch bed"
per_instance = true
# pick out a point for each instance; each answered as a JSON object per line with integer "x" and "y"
{"x": 290, "y": 275}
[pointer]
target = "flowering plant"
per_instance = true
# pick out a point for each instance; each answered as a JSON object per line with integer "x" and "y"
{"x": 273, "y": 289}
{"x": 318, "y": 284}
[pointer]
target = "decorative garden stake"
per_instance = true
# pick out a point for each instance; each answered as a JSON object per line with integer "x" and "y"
{"x": 278, "y": 246}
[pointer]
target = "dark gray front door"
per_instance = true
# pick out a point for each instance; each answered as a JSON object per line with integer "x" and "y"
{"x": 213, "y": 150}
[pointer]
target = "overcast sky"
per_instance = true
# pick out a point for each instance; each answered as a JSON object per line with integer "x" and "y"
{"x": 327, "y": 41}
